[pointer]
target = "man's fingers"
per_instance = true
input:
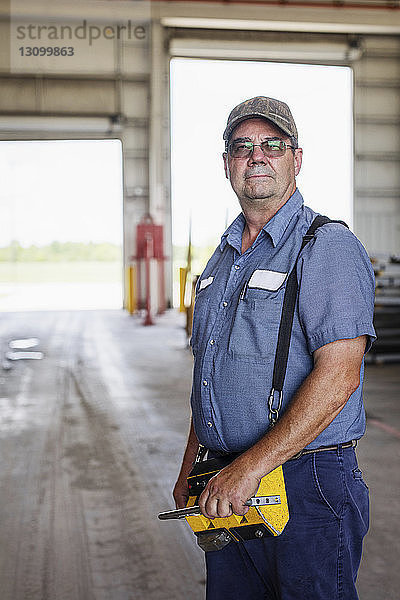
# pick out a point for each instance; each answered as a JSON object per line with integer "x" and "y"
{"x": 181, "y": 495}
{"x": 239, "y": 508}
{"x": 203, "y": 501}
{"x": 225, "y": 495}
{"x": 224, "y": 508}
{"x": 212, "y": 507}
{"x": 181, "y": 501}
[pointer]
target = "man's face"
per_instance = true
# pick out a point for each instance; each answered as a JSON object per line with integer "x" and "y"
{"x": 257, "y": 179}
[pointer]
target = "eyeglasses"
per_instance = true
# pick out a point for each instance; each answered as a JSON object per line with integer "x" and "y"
{"x": 272, "y": 148}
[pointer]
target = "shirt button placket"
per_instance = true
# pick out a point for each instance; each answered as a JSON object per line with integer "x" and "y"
{"x": 209, "y": 423}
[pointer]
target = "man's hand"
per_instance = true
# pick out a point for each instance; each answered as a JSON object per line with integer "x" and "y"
{"x": 181, "y": 491}
{"x": 226, "y": 492}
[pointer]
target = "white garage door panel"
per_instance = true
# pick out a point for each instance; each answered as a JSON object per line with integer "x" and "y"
{"x": 135, "y": 59}
{"x": 17, "y": 94}
{"x": 78, "y": 96}
{"x": 376, "y": 68}
{"x": 135, "y": 170}
{"x": 135, "y": 99}
{"x": 375, "y": 174}
{"x": 135, "y": 138}
{"x": 382, "y": 43}
{"x": 378, "y": 101}
{"x": 383, "y": 230}
{"x": 380, "y": 205}
{"x": 377, "y": 138}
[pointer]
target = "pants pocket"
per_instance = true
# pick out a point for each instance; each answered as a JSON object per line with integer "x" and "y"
{"x": 329, "y": 481}
{"x": 358, "y": 476}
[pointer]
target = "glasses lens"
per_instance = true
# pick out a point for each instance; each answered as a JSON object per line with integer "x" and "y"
{"x": 240, "y": 149}
{"x": 273, "y": 148}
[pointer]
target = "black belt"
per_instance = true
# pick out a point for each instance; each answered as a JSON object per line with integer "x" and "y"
{"x": 351, "y": 444}
{"x": 230, "y": 456}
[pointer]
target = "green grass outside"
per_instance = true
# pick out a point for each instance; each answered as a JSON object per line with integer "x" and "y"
{"x": 73, "y": 272}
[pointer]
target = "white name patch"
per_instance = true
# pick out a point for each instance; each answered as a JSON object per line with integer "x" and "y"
{"x": 267, "y": 280}
{"x": 205, "y": 282}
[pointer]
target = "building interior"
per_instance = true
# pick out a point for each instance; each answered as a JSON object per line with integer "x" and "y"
{"x": 94, "y": 400}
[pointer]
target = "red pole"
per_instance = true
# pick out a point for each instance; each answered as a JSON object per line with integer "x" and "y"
{"x": 161, "y": 287}
{"x": 149, "y": 254}
{"x": 139, "y": 282}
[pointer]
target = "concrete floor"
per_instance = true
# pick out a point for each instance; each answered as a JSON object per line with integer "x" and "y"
{"x": 91, "y": 439}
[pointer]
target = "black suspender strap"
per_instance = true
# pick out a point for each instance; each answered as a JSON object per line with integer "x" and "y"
{"x": 285, "y": 328}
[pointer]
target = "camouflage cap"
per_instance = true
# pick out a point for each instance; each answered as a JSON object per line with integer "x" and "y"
{"x": 274, "y": 110}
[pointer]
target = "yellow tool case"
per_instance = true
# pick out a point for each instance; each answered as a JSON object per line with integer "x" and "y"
{"x": 267, "y": 515}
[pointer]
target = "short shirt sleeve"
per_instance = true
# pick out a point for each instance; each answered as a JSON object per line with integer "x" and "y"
{"x": 336, "y": 288}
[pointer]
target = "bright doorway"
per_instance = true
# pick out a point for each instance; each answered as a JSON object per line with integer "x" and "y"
{"x": 61, "y": 225}
{"x": 202, "y": 94}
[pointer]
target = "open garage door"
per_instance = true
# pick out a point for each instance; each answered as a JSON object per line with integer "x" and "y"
{"x": 375, "y": 64}
{"x": 203, "y": 93}
{"x": 61, "y": 221}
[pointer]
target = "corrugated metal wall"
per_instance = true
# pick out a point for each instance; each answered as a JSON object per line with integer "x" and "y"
{"x": 377, "y": 144}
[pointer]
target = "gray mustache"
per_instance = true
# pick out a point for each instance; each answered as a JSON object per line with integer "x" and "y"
{"x": 258, "y": 172}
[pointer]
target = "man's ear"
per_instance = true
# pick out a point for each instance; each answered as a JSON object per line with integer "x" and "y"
{"x": 298, "y": 158}
{"x": 226, "y": 165}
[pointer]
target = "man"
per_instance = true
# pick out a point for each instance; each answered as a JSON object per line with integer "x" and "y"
{"x": 234, "y": 338}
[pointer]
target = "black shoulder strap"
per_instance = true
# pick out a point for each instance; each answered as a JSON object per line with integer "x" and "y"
{"x": 285, "y": 328}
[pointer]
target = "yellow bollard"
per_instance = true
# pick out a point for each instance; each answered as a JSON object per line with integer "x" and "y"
{"x": 190, "y": 309}
{"x": 132, "y": 300}
{"x": 182, "y": 288}
{"x": 127, "y": 294}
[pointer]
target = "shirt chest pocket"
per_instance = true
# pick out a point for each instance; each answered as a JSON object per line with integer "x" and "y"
{"x": 255, "y": 325}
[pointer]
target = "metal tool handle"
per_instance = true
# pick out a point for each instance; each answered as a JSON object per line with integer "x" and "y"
{"x": 193, "y": 511}
{"x": 180, "y": 513}
{"x": 263, "y": 500}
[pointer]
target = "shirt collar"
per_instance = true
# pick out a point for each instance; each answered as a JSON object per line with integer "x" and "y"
{"x": 275, "y": 227}
{"x": 233, "y": 235}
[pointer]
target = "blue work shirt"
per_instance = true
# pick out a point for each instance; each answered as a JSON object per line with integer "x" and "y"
{"x": 236, "y": 320}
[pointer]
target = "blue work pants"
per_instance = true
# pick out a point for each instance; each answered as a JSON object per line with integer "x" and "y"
{"x": 318, "y": 554}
